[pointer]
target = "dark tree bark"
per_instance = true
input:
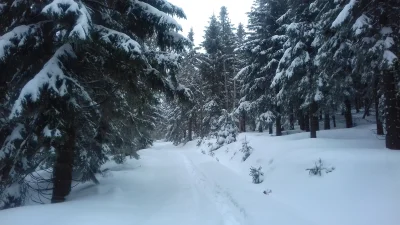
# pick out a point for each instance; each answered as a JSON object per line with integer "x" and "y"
{"x": 307, "y": 122}
{"x": 327, "y": 121}
{"x": 278, "y": 122}
{"x": 62, "y": 170}
{"x": 392, "y": 116}
{"x": 347, "y": 114}
{"x": 320, "y": 115}
{"x": 357, "y": 104}
{"x": 291, "y": 121}
{"x": 242, "y": 121}
{"x": 379, "y": 125}
{"x": 313, "y": 119}
{"x": 301, "y": 120}
{"x": 334, "y": 120}
{"x": 190, "y": 129}
{"x": 270, "y": 130}
{"x": 367, "y": 106}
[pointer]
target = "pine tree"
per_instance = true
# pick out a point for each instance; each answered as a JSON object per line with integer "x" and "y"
{"x": 295, "y": 76}
{"x": 372, "y": 27}
{"x": 335, "y": 79}
{"x": 80, "y": 65}
{"x": 228, "y": 41}
{"x": 211, "y": 70}
{"x": 263, "y": 51}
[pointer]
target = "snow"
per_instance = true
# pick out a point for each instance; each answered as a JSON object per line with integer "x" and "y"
{"x": 166, "y": 58}
{"x": 17, "y": 34}
{"x": 242, "y": 71}
{"x": 343, "y": 14}
{"x": 386, "y": 30}
{"x": 180, "y": 186}
{"x": 9, "y": 146}
{"x": 119, "y": 39}
{"x": 318, "y": 96}
{"x": 2, "y": 7}
{"x": 389, "y": 56}
{"x": 151, "y": 11}
{"x": 82, "y": 26}
{"x": 62, "y": 8}
{"x": 51, "y": 72}
{"x": 47, "y": 132}
{"x": 361, "y": 23}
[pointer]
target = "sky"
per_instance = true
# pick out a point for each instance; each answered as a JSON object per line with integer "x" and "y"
{"x": 198, "y": 13}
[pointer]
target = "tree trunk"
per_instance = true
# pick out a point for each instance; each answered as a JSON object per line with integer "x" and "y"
{"x": 278, "y": 121}
{"x": 270, "y": 130}
{"x": 347, "y": 114}
{"x": 314, "y": 119}
{"x": 334, "y": 120}
{"x": 379, "y": 125}
{"x": 367, "y": 106}
{"x": 392, "y": 120}
{"x": 242, "y": 121}
{"x": 190, "y": 129}
{"x": 291, "y": 121}
{"x": 321, "y": 116}
{"x": 62, "y": 170}
{"x": 327, "y": 122}
{"x": 357, "y": 105}
{"x": 260, "y": 127}
{"x": 307, "y": 122}
{"x": 301, "y": 120}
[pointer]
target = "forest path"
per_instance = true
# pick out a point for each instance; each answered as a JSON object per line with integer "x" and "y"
{"x": 169, "y": 185}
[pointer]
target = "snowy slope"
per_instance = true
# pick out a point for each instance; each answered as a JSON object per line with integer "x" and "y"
{"x": 179, "y": 185}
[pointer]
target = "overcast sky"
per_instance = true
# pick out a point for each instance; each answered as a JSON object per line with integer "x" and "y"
{"x": 198, "y": 13}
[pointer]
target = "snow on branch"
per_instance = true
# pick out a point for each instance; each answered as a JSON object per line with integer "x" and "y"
{"x": 361, "y": 23}
{"x": 389, "y": 57}
{"x": 243, "y": 71}
{"x": 343, "y": 14}
{"x": 169, "y": 8}
{"x": 168, "y": 59}
{"x": 177, "y": 38}
{"x": 9, "y": 144}
{"x": 120, "y": 40}
{"x": 3, "y": 7}
{"x": 17, "y": 38}
{"x": 153, "y": 13}
{"x": 50, "y": 75}
{"x": 60, "y": 9}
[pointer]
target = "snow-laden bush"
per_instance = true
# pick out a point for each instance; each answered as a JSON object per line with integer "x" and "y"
{"x": 318, "y": 168}
{"x": 257, "y": 175}
{"x": 246, "y": 149}
{"x": 226, "y": 130}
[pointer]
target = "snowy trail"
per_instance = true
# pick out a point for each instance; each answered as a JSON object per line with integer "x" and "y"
{"x": 167, "y": 186}
{"x": 160, "y": 191}
{"x": 172, "y": 185}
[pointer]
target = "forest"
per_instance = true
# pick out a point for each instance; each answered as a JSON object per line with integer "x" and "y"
{"x": 83, "y": 82}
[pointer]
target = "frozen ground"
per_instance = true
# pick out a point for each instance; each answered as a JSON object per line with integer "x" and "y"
{"x": 180, "y": 186}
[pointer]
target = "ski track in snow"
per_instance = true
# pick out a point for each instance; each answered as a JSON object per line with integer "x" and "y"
{"x": 228, "y": 207}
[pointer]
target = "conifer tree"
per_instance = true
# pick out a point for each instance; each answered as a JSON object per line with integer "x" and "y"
{"x": 70, "y": 74}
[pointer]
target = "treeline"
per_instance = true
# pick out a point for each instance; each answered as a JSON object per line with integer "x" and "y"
{"x": 299, "y": 61}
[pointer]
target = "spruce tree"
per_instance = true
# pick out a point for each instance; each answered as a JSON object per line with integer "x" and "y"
{"x": 263, "y": 50}
{"x": 70, "y": 74}
{"x": 372, "y": 27}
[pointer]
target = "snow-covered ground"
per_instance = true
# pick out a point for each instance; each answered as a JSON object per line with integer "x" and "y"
{"x": 179, "y": 185}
